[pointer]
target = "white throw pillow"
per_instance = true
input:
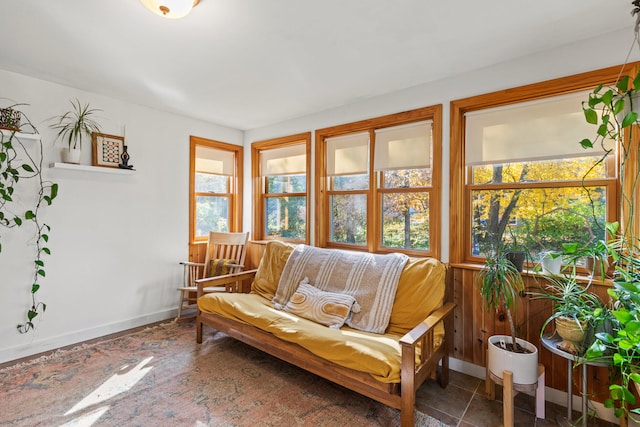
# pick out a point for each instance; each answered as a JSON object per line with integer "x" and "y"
{"x": 327, "y": 308}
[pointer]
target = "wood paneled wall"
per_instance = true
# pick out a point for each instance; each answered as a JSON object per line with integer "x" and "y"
{"x": 473, "y": 325}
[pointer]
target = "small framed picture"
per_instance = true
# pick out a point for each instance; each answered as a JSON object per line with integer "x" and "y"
{"x": 107, "y": 149}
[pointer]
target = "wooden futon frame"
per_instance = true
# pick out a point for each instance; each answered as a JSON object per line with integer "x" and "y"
{"x": 400, "y": 396}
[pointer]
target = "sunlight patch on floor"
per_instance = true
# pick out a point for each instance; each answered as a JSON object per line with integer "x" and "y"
{"x": 87, "y": 420}
{"x": 118, "y": 383}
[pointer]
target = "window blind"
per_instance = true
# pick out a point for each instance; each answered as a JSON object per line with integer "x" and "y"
{"x": 289, "y": 160}
{"x": 214, "y": 161}
{"x": 403, "y": 147}
{"x": 348, "y": 154}
{"x": 546, "y": 129}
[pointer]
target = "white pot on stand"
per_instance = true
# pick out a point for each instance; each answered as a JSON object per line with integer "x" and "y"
{"x": 524, "y": 366}
{"x": 71, "y": 155}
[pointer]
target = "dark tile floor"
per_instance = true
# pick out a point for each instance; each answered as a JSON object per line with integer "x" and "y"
{"x": 463, "y": 403}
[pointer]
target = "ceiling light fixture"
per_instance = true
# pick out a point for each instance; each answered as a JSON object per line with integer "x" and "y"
{"x": 172, "y": 9}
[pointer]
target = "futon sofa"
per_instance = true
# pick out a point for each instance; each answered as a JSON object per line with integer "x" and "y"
{"x": 300, "y": 296}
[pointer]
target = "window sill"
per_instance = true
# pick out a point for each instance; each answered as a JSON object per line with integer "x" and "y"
{"x": 581, "y": 278}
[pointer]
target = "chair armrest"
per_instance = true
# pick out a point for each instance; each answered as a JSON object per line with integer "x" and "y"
{"x": 193, "y": 264}
{"x": 223, "y": 280}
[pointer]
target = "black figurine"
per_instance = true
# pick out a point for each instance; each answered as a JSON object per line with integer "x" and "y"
{"x": 125, "y": 159}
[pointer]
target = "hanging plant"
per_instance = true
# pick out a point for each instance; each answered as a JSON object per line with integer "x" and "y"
{"x": 19, "y": 163}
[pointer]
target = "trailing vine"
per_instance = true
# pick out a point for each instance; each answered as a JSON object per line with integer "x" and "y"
{"x": 16, "y": 164}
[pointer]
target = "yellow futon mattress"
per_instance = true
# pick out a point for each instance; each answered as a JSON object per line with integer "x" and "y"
{"x": 376, "y": 354}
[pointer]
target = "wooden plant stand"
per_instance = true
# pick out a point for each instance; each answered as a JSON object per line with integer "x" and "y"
{"x": 510, "y": 389}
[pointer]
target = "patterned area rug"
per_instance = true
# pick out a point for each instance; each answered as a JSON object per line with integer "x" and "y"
{"x": 160, "y": 377}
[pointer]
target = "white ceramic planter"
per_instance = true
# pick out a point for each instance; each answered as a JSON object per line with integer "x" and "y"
{"x": 71, "y": 155}
{"x": 550, "y": 265}
{"x": 523, "y": 365}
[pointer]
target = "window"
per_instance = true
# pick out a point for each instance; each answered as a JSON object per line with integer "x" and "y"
{"x": 378, "y": 183}
{"x": 280, "y": 171}
{"x": 215, "y": 203}
{"x": 519, "y": 175}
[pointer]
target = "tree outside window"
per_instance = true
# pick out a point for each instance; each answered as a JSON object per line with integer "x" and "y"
{"x": 530, "y": 184}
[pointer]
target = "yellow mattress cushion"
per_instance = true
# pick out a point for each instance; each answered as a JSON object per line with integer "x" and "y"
{"x": 422, "y": 279}
{"x": 420, "y": 292}
{"x": 376, "y": 354}
{"x": 270, "y": 268}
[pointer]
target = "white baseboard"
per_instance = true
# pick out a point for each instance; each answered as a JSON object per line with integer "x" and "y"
{"x": 36, "y": 347}
{"x": 550, "y": 394}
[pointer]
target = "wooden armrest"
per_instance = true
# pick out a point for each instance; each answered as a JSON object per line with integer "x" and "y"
{"x": 189, "y": 263}
{"x": 411, "y": 338}
{"x": 223, "y": 280}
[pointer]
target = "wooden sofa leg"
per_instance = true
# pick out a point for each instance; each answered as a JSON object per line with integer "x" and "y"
{"x": 407, "y": 407}
{"x": 443, "y": 378}
{"x": 198, "y": 330}
{"x": 407, "y": 390}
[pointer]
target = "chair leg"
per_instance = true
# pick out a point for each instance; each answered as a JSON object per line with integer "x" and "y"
{"x": 180, "y": 306}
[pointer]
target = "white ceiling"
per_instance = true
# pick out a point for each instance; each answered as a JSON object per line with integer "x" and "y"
{"x": 251, "y": 63}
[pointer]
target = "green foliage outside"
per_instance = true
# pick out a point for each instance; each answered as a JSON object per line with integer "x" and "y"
{"x": 538, "y": 219}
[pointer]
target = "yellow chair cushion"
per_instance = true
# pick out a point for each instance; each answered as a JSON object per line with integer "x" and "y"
{"x": 220, "y": 267}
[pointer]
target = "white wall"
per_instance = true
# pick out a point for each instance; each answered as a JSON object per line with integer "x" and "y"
{"x": 115, "y": 240}
{"x": 603, "y": 51}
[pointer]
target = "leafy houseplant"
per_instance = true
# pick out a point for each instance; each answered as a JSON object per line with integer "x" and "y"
{"x": 73, "y": 126}
{"x": 575, "y": 308}
{"x": 500, "y": 285}
{"x": 17, "y": 163}
{"x": 611, "y": 110}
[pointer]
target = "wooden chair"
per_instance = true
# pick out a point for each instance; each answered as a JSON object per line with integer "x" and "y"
{"x": 225, "y": 255}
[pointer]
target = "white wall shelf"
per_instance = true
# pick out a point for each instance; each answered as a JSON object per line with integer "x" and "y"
{"x": 24, "y": 137}
{"x": 87, "y": 168}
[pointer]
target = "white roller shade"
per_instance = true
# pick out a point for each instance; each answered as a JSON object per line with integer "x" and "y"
{"x": 538, "y": 130}
{"x": 403, "y": 147}
{"x": 290, "y": 160}
{"x": 348, "y": 154}
{"x": 211, "y": 160}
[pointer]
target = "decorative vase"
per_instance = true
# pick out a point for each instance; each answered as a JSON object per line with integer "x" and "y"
{"x": 573, "y": 334}
{"x": 517, "y": 259}
{"x": 550, "y": 264}
{"x": 524, "y": 366}
{"x": 71, "y": 155}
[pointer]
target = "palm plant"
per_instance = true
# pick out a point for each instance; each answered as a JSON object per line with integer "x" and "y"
{"x": 76, "y": 124}
{"x": 500, "y": 284}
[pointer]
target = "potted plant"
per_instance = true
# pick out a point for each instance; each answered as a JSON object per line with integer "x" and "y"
{"x": 500, "y": 285}
{"x": 613, "y": 110}
{"x": 22, "y": 205}
{"x": 74, "y": 126}
{"x": 574, "y": 310}
{"x": 594, "y": 255}
{"x": 551, "y": 262}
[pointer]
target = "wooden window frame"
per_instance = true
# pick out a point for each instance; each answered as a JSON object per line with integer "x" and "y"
{"x": 375, "y": 192}
{"x": 259, "y": 184}
{"x": 460, "y": 232}
{"x": 235, "y": 185}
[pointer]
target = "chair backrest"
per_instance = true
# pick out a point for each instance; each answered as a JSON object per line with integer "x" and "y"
{"x": 225, "y": 246}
